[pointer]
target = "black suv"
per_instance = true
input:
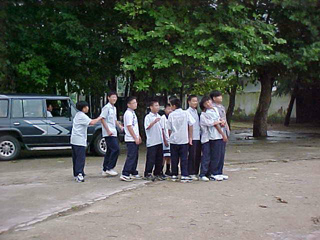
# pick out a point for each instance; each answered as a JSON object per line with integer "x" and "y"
{"x": 36, "y": 122}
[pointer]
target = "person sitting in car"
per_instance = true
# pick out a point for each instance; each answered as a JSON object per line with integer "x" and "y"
{"x": 49, "y": 110}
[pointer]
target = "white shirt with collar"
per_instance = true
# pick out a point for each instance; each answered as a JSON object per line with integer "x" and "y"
{"x": 178, "y": 123}
{"x": 205, "y": 122}
{"x": 79, "y": 129}
{"x": 154, "y": 134}
{"x": 222, "y": 112}
{"x": 109, "y": 113}
{"x": 196, "y": 126}
{"x": 164, "y": 125}
{"x": 130, "y": 119}
{"x": 214, "y": 116}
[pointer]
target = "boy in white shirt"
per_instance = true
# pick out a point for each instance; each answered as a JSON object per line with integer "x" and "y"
{"x": 180, "y": 130}
{"x": 109, "y": 124}
{"x": 133, "y": 140}
{"x": 205, "y": 122}
{"x": 154, "y": 143}
{"x": 78, "y": 139}
{"x": 194, "y": 157}
{"x": 216, "y": 97}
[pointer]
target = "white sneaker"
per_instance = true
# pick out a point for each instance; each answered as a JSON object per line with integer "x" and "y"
{"x": 174, "y": 178}
{"x": 204, "y": 179}
{"x": 79, "y": 178}
{"x": 185, "y": 179}
{"x": 216, "y": 178}
{"x": 112, "y": 172}
{"x": 224, "y": 177}
{"x": 194, "y": 177}
{"x": 126, "y": 178}
{"x": 136, "y": 177}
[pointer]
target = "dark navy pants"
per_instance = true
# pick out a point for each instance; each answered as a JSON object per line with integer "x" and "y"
{"x": 111, "y": 156}
{"x": 217, "y": 148}
{"x": 130, "y": 166}
{"x": 221, "y": 162}
{"x": 179, "y": 152}
{"x": 154, "y": 160}
{"x": 78, "y": 159}
{"x": 205, "y": 160}
{"x": 194, "y": 157}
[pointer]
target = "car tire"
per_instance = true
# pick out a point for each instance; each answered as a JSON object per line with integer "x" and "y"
{"x": 99, "y": 145}
{"x": 10, "y": 148}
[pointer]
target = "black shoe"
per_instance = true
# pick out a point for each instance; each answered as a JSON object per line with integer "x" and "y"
{"x": 149, "y": 178}
{"x": 168, "y": 173}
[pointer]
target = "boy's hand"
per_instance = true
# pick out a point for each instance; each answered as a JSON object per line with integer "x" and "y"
{"x": 225, "y": 138}
{"x": 190, "y": 141}
{"x": 121, "y": 128}
{"x": 156, "y": 120}
{"x": 166, "y": 143}
{"x": 137, "y": 141}
{"x": 109, "y": 133}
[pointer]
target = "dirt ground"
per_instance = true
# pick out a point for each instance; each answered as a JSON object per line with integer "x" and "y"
{"x": 273, "y": 193}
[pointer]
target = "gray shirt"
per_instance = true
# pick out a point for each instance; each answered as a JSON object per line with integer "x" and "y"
{"x": 109, "y": 113}
{"x": 223, "y": 116}
{"x": 79, "y": 129}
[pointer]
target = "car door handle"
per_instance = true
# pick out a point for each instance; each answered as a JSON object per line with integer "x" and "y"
{"x": 16, "y": 123}
{"x": 52, "y": 123}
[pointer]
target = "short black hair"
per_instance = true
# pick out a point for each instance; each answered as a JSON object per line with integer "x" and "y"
{"x": 153, "y": 101}
{"x": 82, "y": 104}
{"x": 175, "y": 102}
{"x": 111, "y": 93}
{"x": 167, "y": 105}
{"x": 191, "y": 96}
{"x": 130, "y": 99}
{"x": 215, "y": 93}
{"x": 202, "y": 102}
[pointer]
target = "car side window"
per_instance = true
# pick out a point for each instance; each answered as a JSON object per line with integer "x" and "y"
{"x": 17, "y": 110}
{"x": 58, "y": 108}
{"x": 33, "y": 108}
{"x": 4, "y": 108}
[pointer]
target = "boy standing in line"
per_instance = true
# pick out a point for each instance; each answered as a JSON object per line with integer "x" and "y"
{"x": 133, "y": 140}
{"x": 78, "y": 139}
{"x": 154, "y": 143}
{"x": 180, "y": 130}
{"x": 194, "y": 158}
{"x": 166, "y": 144}
{"x": 216, "y": 97}
{"x": 109, "y": 132}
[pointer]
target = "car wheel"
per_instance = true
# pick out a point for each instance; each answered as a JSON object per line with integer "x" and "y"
{"x": 99, "y": 145}
{"x": 10, "y": 148}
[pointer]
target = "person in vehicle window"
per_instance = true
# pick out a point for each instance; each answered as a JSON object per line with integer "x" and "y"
{"x": 49, "y": 110}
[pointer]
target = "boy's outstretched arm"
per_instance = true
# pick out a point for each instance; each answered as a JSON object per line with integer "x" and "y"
{"x": 94, "y": 121}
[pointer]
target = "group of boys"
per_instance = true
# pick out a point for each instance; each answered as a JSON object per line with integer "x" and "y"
{"x": 179, "y": 137}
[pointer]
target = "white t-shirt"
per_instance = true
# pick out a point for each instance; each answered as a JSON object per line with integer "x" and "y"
{"x": 49, "y": 114}
{"x": 213, "y": 132}
{"x": 205, "y": 122}
{"x": 109, "y": 113}
{"x": 79, "y": 129}
{"x": 130, "y": 119}
{"x": 164, "y": 126}
{"x": 196, "y": 125}
{"x": 178, "y": 123}
{"x": 154, "y": 134}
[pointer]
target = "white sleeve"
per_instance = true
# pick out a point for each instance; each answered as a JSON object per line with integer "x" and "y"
{"x": 191, "y": 120}
{"x": 104, "y": 113}
{"x": 206, "y": 120}
{"x": 146, "y": 122}
{"x": 169, "y": 125}
{"x": 128, "y": 119}
{"x": 84, "y": 120}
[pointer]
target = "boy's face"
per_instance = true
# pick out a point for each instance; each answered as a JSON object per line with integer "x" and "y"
{"x": 193, "y": 103}
{"x": 133, "y": 104}
{"x": 208, "y": 104}
{"x": 85, "y": 109}
{"x": 173, "y": 107}
{"x": 167, "y": 110}
{"x": 113, "y": 99}
{"x": 218, "y": 99}
{"x": 155, "y": 107}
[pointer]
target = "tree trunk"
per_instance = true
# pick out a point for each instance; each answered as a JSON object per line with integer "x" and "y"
{"x": 291, "y": 103}
{"x": 260, "y": 123}
{"x": 232, "y": 103}
{"x": 3, "y": 49}
{"x": 112, "y": 84}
